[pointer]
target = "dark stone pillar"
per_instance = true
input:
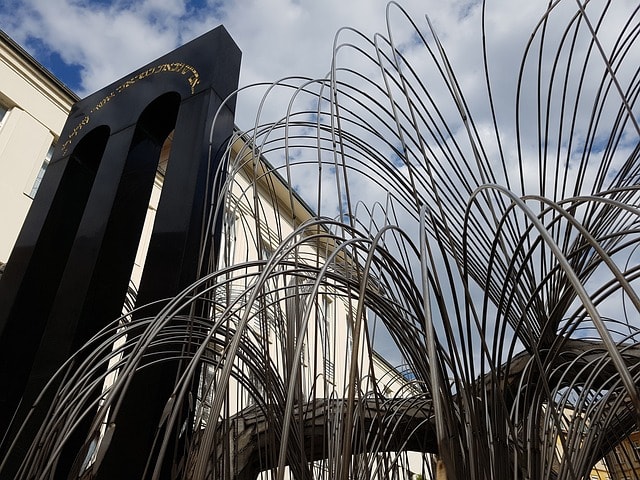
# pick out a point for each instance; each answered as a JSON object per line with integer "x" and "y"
{"x": 68, "y": 274}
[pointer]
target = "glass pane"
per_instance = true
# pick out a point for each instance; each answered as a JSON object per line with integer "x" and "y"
{"x": 43, "y": 167}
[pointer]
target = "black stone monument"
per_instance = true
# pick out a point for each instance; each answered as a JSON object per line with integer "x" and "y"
{"x": 70, "y": 268}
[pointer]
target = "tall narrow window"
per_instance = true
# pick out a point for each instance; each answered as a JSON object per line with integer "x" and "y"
{"x": 326, "y": 328}
{"x": 3, "y": 113}
{"x": 43, "y": 167}
{"x": 228, "y": 243}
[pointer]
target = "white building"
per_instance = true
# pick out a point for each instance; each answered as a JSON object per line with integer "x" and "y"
{"x": 33, "y": 108}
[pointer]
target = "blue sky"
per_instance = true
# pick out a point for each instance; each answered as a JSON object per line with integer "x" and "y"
{"x": 52, "y": 60}
{"x": 75, "y": 38}
{"x": 91, "y": 43}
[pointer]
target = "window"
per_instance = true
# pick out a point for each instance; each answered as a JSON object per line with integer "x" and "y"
{"x": 329, "y": 370}
{"x": 228, "y": 240}
{"x": 326, "y": 323}
{"x": 3, "y": 113}
{"x": 265, "y": 250}
{"x": 43, "y": 167}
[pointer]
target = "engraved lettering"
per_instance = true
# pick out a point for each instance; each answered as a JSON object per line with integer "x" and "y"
{"x": 175, "y": 67}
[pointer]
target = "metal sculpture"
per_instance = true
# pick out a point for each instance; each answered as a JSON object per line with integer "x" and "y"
{"x": 503, "y": 263}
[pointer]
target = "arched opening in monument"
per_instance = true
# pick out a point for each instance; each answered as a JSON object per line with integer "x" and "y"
{"x": 47, "y": 259}
{"x": 147, "y": 228}
{"x": 136, "y": 202}
{"x": 61, "y": 225}
{"x": 139, "y": 181}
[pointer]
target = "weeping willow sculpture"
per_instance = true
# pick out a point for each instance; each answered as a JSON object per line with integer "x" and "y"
{"x": 500, "y": 258}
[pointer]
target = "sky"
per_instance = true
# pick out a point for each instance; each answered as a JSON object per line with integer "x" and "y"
{"x": 89, "y": 44}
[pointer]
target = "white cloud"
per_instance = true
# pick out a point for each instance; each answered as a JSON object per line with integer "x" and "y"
{"x": 278, "y": 37}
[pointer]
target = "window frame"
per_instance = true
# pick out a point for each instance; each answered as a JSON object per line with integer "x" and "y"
{"x": 35, "y": 185}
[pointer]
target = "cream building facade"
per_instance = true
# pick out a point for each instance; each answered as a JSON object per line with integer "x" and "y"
{"x": 33, "y": 109}
{"x": 332, "y": 357}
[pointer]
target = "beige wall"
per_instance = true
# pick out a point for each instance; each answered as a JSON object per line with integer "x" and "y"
{"x": 38, "y": 108}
